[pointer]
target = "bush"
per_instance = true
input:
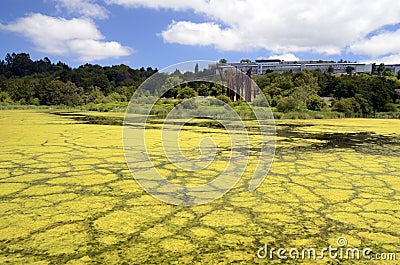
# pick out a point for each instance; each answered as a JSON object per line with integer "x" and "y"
{"x": 390, "y": 107}
{"x": 92, "y": 107}
{"x": 96, "y": 96}
{"x": 144, "y": 100}
{"x": 288, "y": 104}
{"x": 186, "y": 92}
{"x": 347, "y": 106}
{"x": 168, "y": 101}
{"x": 260, "y": 101}
{"x": 189, "y": 104}
{"x": 297, "y": 116}
{"x": 5, "y": 98}
{"x": 113, "y": 98}
{"x": 316, "y": 103}
{"x": 278, "y": 115}
{"x": 203, "y": 90}
{"x": 34, "y": 101}
{"x": 161, "y": 110}
{"x": 224, "y": 98}
{"x": 239, "y": 103}
{"x": 274, "y": 101}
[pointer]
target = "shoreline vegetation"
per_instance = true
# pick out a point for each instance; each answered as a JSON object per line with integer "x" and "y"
{"x": 160, "y": 111}
{"x": 42, "y": 84}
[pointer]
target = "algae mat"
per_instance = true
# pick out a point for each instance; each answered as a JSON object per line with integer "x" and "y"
{"x": 67, "y": 197}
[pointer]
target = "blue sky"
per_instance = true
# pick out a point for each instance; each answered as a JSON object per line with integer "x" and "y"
{"x": 161, "y": 33}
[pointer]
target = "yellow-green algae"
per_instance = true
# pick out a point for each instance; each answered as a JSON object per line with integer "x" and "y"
{"x": 67, "y": 196}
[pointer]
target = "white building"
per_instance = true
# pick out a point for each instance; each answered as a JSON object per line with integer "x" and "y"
{"x": 260, "y": 67}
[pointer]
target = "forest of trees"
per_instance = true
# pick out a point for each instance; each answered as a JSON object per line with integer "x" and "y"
{"x": 41, "y": 82}
{"x": 356, "y": 93}
{"x": 23, "y": 81}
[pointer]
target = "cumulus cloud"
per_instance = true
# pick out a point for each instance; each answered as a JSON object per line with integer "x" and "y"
{"x": 78, "y": 37}
{"x": 278, "y": 26}
{"x": 286, "y": 57}
{"x": 86, "y": 8}
{"x": 391, "y": 59}
{"x": 163, "y": 4}
{"x": 93, "y": 50}
{"x": 383, "y": 47}
{"x": 186, "y": 32}
{"x": 380, "y": 44}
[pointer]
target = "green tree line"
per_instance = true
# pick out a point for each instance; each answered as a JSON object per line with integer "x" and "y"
{"x": 351, "y": 93}
{"x": 41, "y": 82}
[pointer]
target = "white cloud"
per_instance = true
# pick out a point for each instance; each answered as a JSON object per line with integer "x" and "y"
{"x": 186, "y": 32}
{"x": 391, "y": 59}
{"x": 87, "y": 8}
{"x": 159, "y": 4}
{"x": 278, "y": 26}
{"x": 78, "y": 37}
{"x": 382, "y": 44}
{"x": 286, "y": 57}
{"x": 93, "y": 50}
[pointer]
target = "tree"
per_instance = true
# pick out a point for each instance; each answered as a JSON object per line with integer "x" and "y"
{"x": 289, "y": 103}
{"x": 365, "y": 106}
{"x": 346, "y": 87}
{"x": 95, "y": 96}
{"x": 223, "y": 60}
{"x": 196, "y": 68}
{"x": 390, "y": 107}
{"x": 245, "y": 61}
{"x": 381, "y": 68}
{"x": 303, "y": 93}
{"x": 5, "y": 98}
{"x": 63, "y": 93}
{"x": 349, "y": 70}
{"x": 306, "y": 78}
{"x": 170, "y": 87}
{"x": 380, "y": 93}
{"x": 262, "y": 81}
{"x": 284, "y": 82}
{"x": 316, "y": 103}
{"x": 114, "y": 97}
{"x": 19, "y": 64}
{"x": 260, "y": 101}
{"x": 347, "y": 106}
{"x": 224, "y": 99}
{"x": 126, "y": 92}
{"x": 272, "y": 90}
{"x": 388, "y": 72}
{"x": 203, "y": 90}
{"x": 186, "y": 92}
{"x": 189, "y": 104}
{"x": 20, "y": 88}
{"x": 56, "y": 92}
{"x": 216, "y": 90}
{"x": 330, "y": 69}
{"x": 102, "y": 82}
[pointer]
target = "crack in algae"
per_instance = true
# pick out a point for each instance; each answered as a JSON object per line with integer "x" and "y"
{"x": 67, "y": 196}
